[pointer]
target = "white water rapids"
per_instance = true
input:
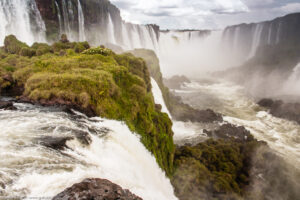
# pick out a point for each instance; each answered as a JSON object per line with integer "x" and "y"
{"x": 282, "y": 136}
{"x": 30, "y": 169}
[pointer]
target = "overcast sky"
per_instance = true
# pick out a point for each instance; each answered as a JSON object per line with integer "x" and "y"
{"x": 203, "y": 14}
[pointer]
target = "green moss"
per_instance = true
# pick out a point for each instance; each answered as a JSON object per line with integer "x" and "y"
{"x": 29, "y": 52}
{"x": 12, "y": 45}
{"x": 112, "y": 86}
{"x": 218, "y": 166}
{"x": 98, "y": 50}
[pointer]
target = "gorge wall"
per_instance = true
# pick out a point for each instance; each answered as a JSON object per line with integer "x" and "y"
{"x": 244, "y": 39}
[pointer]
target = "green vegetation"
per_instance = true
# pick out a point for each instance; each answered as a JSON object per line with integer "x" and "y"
{"x": 110, "y": 85}
{"x": 216, "y": 168}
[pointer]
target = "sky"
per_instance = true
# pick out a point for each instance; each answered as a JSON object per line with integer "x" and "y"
{"x": 203, "y": 14}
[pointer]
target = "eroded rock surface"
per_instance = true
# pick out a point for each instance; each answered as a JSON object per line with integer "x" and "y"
{"x": 97, "y": 189}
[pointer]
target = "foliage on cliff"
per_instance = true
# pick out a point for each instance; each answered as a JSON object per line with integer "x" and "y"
{"x": 215, "y": 168}
{"x": 97, "y": 81}
{"x": 178, "y": 110}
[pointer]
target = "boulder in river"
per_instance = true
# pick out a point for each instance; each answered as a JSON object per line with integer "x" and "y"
{"x": 6, "y": 105}
{"x": 278, "y": 108}
{"x": 97, "y": 189}
{"x": 57, "y": 143}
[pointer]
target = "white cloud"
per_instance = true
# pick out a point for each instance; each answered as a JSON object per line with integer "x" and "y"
{"x": 291, "y": 7}
{"x": 177, "y": 13}
{"x": 203, "y": 14}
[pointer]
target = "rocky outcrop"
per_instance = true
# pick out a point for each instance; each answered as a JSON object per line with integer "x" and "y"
{"x": 97, "y": 189}
{"x": 6, "y": 105}
{"x": 229, "y": 131}
{"x": 175, "y": 82}
{"x": 194, "y": 115}
{"x": 289, "y": 111}
{"x": 57, "y": 143}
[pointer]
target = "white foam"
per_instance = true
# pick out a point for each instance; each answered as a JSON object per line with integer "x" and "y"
{"x": 37, "y": 171}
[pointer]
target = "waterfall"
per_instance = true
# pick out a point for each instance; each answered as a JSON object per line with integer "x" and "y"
{"x": 23, "y": 19}
{"x": 125, "y": 37}
{"x": 67, "y": 28}
{"x": 59, "y": 18}
{"x": 148, "y": 43}
{"x": 80, "y": 22}
{"x": 256, "y": 39}
{"x": 154, "y": 39}
{"x": 236, "y": 39}
{"x": 30, "y": 169}
{"x": 158, "y": 97}
{"x": 278, "y": 33}
{"x": 110, "y": 31}
{"x": 136, "y": 39}
{"x": 270, "y": 34}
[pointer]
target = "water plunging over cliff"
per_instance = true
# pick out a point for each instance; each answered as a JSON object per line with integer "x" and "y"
{"x": 23, "y": 19}
{"x": 31, "y": 169}
{"x": 81, "y": 22}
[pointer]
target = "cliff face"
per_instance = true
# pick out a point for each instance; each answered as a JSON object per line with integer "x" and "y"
{"x": 245, "y": 39}
{"x": 269, "y": 52}
{"x": 97, "y": 21}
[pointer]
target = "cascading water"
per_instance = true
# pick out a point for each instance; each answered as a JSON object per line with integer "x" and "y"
{"x": 59, "y": 18}
{"x": 157, "y": 94}
{"x": 236, "y": 39}
{"x": 80, "y": 22}
{"x": 110, "y": 31}
{"x": 125, "y": 37}
{"x": 31, "y": 169}
{"x": 256, "y": 39}
{"x": 278, "y": 33}
{"x": 15, "y": 18}
{"x": 231, "y": 101}
{"x": 270, "y": 34}
{"x": 67, "y": 27}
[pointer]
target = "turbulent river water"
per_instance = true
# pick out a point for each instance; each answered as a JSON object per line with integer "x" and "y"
{"x": 29, "y": 169}
{"x": 238, "y": 108}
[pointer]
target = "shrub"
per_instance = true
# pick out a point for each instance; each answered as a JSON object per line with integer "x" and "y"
{"x": 13, "y": 45}
{"x": 79, "y": 47}
{"x": 26, "y": 51}
{"x": 98, "y": 50}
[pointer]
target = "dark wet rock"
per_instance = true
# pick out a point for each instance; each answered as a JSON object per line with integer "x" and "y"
{"x": 229, "y": 131}
{"x": 176, "y": 82}
{"x": 6, "y": 105}
{"x": 278, "y": 108}
{"x": 83, "y": 136}
{"x": 66, "y": 106}
{"x": 158, "y": 107}
{"x": 57, "y": 143}
{"x": 2, "y": 185}
{"x": 194, "y": 115}
{"x": 96, "y": 189}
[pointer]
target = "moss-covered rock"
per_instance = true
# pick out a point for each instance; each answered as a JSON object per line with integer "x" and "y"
{"x": 100, "y": 82}
{"x": 26, "y": 51}
{"x": 218, "y": 169}
{"x": 12, "y": 45}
